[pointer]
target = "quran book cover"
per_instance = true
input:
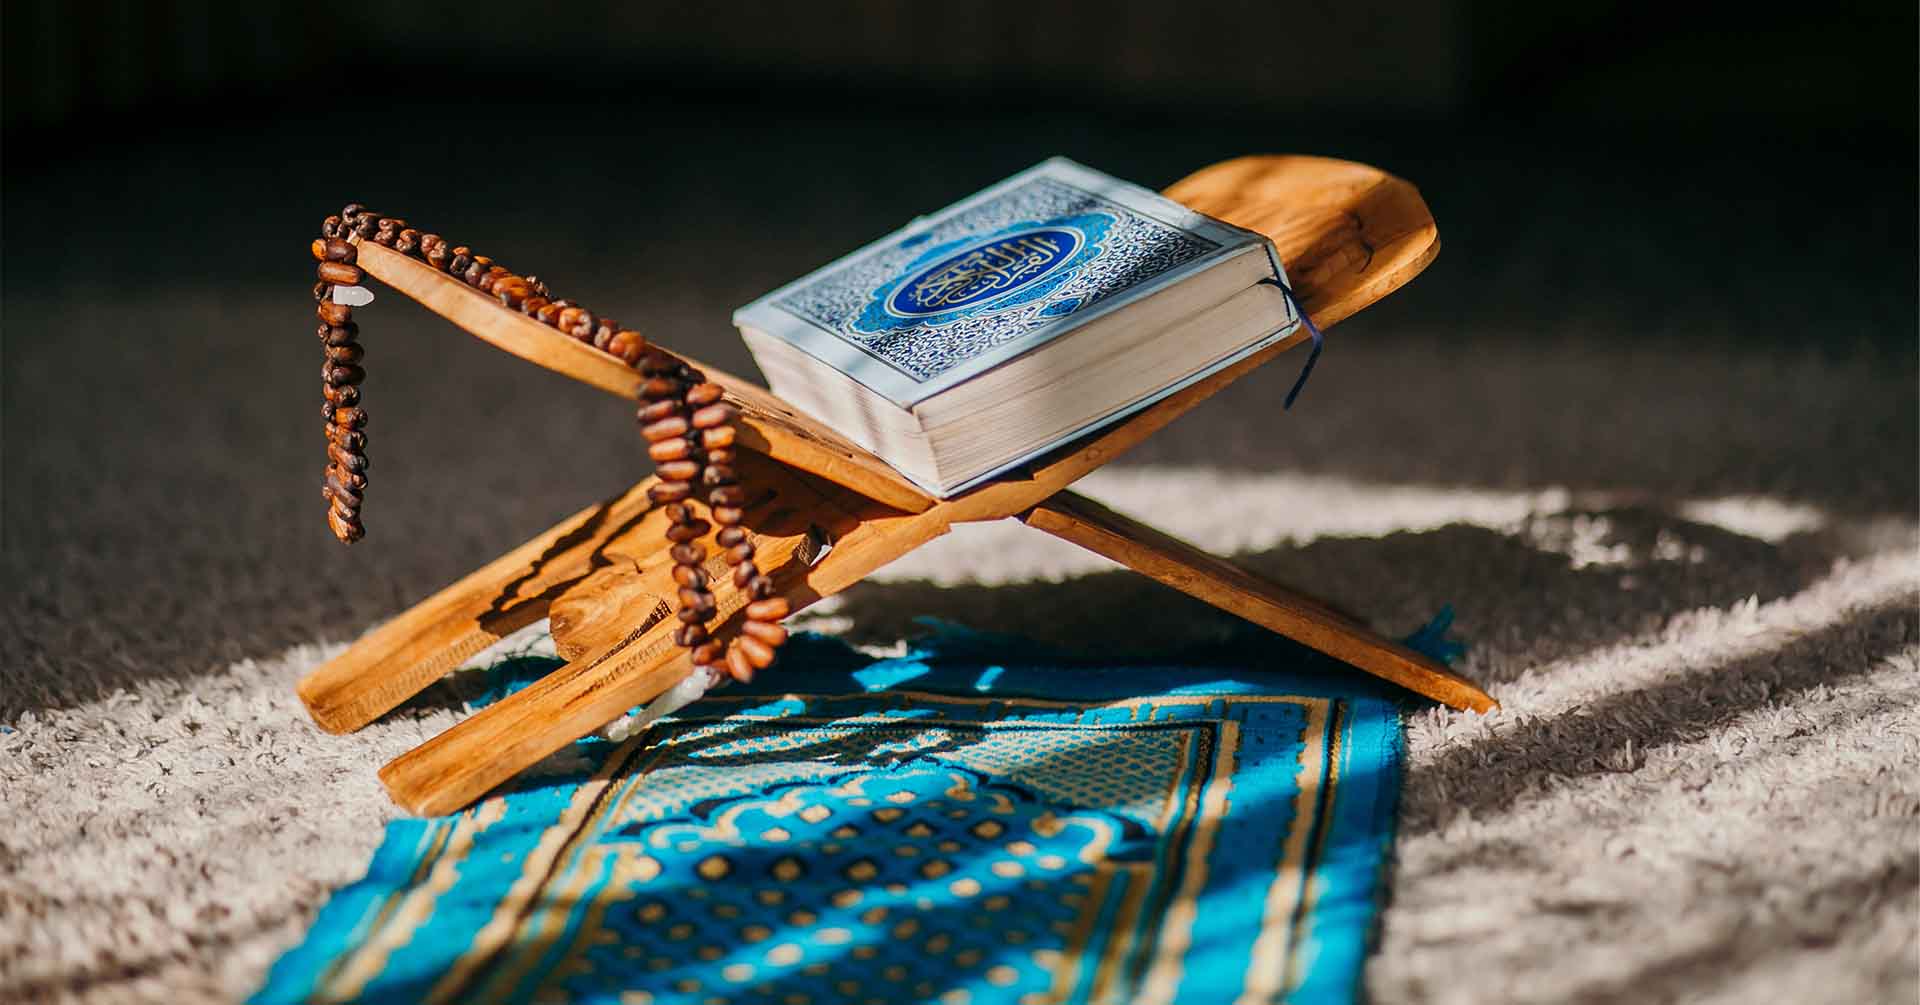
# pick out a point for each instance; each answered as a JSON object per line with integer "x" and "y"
{"x": 994, "y": 277}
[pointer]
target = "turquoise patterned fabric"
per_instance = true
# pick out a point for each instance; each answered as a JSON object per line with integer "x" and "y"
{"x": 955, "y": 825}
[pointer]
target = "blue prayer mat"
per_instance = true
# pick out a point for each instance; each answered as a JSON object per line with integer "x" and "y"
{"x": 961, "y": 824}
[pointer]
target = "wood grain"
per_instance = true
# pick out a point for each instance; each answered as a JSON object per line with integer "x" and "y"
{"x": 1073, "y": 517}
{"x": 402, "y": 657}
{"x": 767, "y": 425}
{"x": 622, "y": 664}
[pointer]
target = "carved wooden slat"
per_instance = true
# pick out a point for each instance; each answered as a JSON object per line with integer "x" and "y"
{"x": 767, "y": 425}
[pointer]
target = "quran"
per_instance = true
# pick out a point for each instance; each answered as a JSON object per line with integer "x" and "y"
{"x": 1018, "y": 319}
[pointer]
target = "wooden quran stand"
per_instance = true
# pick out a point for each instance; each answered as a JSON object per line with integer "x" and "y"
{"x": 827, "y": 513}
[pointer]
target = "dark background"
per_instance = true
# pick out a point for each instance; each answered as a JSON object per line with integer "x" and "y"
{"x": 1679, "y": 256}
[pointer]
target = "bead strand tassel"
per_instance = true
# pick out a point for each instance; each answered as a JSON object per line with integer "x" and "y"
{"x": 690, "y": 430}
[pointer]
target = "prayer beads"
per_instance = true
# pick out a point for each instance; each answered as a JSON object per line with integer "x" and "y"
{"x": 688, "y": 425}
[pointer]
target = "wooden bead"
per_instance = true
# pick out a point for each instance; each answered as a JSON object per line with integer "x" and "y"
{"x": 690, "y": 635}
{"x": 340, "y": 334}
{"x": 730, "y": 536}
{"x": 681, "y": 533}
{"x": 739, "y": 666}
{"x": 728, "y": 516}
{"x": 657, "y": 388}
{"x": 760, "y": 587}
{"x": 668, "y": 492}
{"x": 633, "y": 349}
{"x": 475, "y": 274}
{"x": 668, "y": 428}
{"x": 717, "y": 438}
{"x": 659, "y": 364}
{"x": 351, "y": 479}
{"x": 690, "y": 576}
{"x": 701, "y": 395}
{"x": 714, "y": 415}
{"x": 719, "y": 455}
{"x": 728, "y": 496}
{"x": 319, "y": 248}
{"x": 657, "y": 410}
{"x": 718, "y": 474}
{"x": 742, "y": 552}
{"x": 690, "y": 616}
{"x": 339, "y": 506}
{"x": 343, "y": 373}
{"x": 347, "y": 530}
{"x": 407, "y": 241}
{"x": 345, "y": 479}
{"x": 693, "y": 597}
{"x": 349, "y": 459}
{"x": 349, "y": 439}
{"x": 743, "y": 574}
{"x": 680, "y": 513}
{"x": 765, "y": 631}
{"x": 341, "y": 394}
{"x": 365, "y": 225}
{"x": 511, "y": 293}
{"x": 709, "y": 653}
{"x": 330, "y": 227}
{"x": 669, "y": 450}
{"x": 531, "y": 306}
{"x": 550, "y": 312}
{"x": 341, "y": 491}
{"x": 349, "y": 517}
{"x": 688, "y": 375}
{"x": 322, "y": 291}
{"x": 770, "y": 609}
{"x": 332, "y": 313}
{"x": 355, "y": 418}
{"x": 678, "y": 471}
{"x": 688, "y": 553}
{"x": 582, "y": 325}
{"x": 348, "y": 353}
{"x": 337, "y": 250}
{"x": 759, "y": 652}
{"x": 627, "y": 344}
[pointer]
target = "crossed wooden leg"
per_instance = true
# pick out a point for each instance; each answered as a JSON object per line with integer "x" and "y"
{"x": 614, "y": 626}
{"x": 603, "y": 577}
{"x": 1073, "y": 517}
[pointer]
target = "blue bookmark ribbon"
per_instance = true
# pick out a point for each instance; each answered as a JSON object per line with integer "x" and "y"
{"x": 1432, "y": 642}
{"x": 1313, "y": 330}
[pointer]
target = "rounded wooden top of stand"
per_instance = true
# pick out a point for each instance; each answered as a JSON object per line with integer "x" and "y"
{"x": 1348, "y": 235}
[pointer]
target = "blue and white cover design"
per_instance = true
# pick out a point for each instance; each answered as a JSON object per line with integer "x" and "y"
{"x": 993, "y": 276}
